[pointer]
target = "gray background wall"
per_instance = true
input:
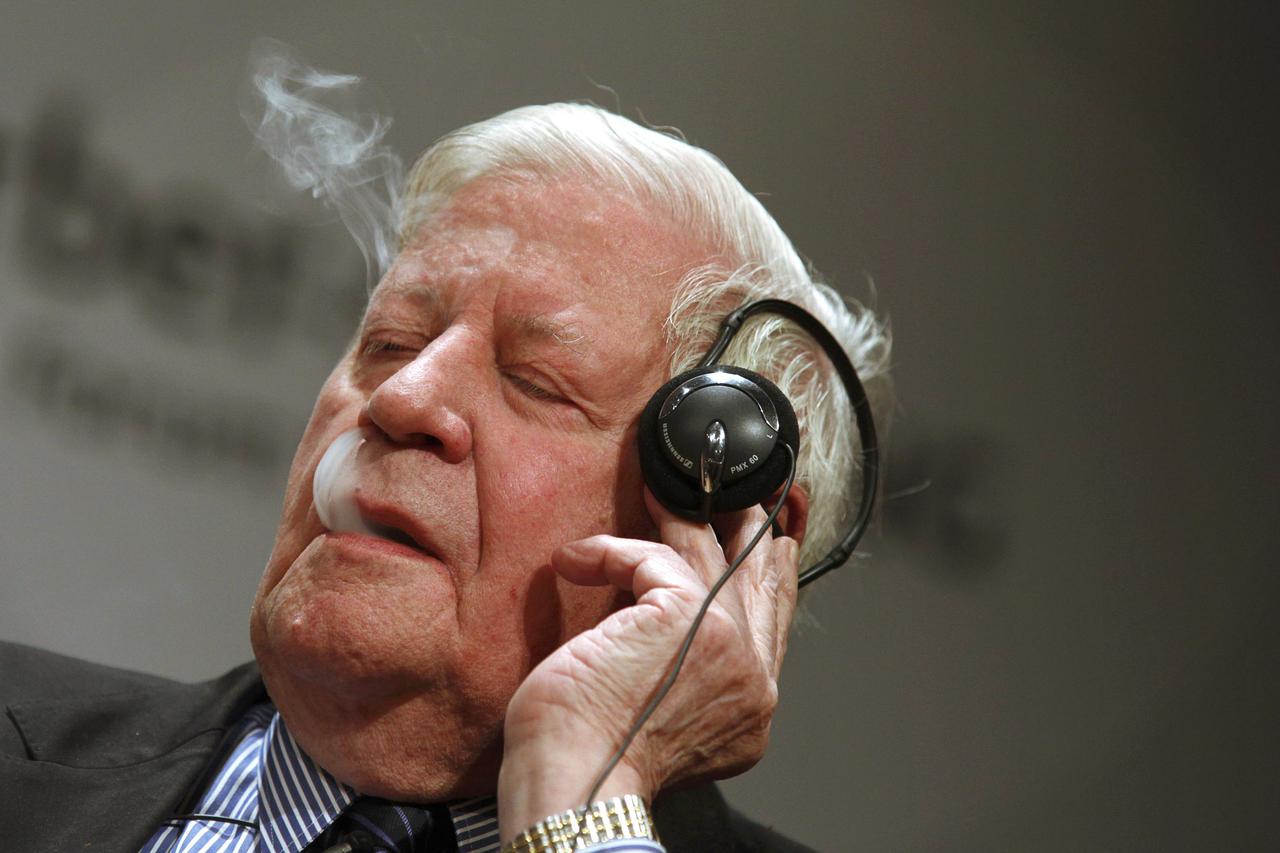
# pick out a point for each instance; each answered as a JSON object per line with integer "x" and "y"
{"x": 1064, "y": 642}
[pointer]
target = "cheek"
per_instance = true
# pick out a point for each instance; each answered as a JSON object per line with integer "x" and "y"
{"x": 535, "y": 497}
{"x": 554, "y": 492}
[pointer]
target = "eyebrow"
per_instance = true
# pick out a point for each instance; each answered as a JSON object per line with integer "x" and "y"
{"x": 542, "y": 326}
{"x": 539, "y": 326}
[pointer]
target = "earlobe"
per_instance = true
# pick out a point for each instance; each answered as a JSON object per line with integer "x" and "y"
{"x": 794, "y": 515}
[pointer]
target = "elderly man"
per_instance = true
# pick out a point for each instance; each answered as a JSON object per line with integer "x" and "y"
{"x": 512, "y": 594}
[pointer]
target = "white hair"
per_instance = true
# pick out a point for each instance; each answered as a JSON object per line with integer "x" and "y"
{"x": 750, "y": 258}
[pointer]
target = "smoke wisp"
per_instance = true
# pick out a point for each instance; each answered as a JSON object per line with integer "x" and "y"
{"x": 311, "y": 123}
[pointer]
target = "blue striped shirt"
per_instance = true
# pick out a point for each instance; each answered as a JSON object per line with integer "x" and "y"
{"x": 268, "y": 781}
{"x": 288, "y": 800}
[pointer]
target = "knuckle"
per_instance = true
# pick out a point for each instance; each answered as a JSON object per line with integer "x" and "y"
{"x": 675, "y": 606}
{"x": 769, "y": 698}
{"x": 665, "y": 552}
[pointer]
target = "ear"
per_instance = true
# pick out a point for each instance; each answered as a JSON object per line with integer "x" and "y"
{"x": 793, "y": 518}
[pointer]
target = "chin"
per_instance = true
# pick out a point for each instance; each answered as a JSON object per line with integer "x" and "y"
{"x": 356, "y": 627}
{"x": 417, "y": 746}
{"x": 344, "y": 647}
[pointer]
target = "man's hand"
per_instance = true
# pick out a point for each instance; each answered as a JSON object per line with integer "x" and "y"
{"x": 575, "y": 708}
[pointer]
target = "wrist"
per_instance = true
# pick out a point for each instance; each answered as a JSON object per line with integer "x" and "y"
{"x": 617, "y": 820}
{"x": 545, "y": 778}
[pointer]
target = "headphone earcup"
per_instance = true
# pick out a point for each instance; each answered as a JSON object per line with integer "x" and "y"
{"x": 678, "y": 489}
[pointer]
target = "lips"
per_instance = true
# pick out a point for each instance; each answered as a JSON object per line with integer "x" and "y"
{"x": 392, "y": 534}
{"x": 388, "y": 522}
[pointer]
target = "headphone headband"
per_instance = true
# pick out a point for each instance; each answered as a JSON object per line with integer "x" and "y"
{"x": 838, "y": 555}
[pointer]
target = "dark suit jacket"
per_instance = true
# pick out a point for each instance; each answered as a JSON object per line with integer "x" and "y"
{"x": 94, "y": 759}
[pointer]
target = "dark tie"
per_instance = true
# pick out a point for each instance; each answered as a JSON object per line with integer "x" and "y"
{"x": 373, "y": 824}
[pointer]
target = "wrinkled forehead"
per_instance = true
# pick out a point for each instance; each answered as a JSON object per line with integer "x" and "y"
{"x": 548, "y": 244}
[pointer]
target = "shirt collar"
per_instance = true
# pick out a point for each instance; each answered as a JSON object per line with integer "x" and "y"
{"x": 268, "y": 781}
{"x": 297, "y": 798}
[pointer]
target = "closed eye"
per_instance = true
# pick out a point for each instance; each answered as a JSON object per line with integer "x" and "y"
{"x": 375, "y": 347}
{"x": 537, "y": 392}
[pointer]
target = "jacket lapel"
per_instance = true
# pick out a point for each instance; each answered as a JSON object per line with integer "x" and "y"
{"x": 104, "y": 771}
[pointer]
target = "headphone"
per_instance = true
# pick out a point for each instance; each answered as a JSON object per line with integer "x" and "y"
{"x": 719, "y": 438}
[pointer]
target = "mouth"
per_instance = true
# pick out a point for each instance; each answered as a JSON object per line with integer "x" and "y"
{"x": 396, "y": 535}
{"x": 392, "y": 525}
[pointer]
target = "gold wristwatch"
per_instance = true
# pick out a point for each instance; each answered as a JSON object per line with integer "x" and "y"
{"x": 566, "y": 832}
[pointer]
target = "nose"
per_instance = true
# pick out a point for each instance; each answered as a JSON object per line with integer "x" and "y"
{"x": 423, "y": 403}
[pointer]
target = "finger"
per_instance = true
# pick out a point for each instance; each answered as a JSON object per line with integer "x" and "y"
{"x": 694, "y": 541}
{"x": 634, "y": 565}
{"x": 755, "y": 582}
{"x": 787, "y": 558}
{"x": 766, "y": 582}
{"x": 736, "y": 530}
{"x": 698, "y": 545}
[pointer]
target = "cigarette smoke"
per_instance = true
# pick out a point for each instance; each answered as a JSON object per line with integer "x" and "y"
{"x": 311, "y": 123}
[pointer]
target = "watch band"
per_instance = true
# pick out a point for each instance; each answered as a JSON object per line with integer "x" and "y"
{"x": 566, "y": 832}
